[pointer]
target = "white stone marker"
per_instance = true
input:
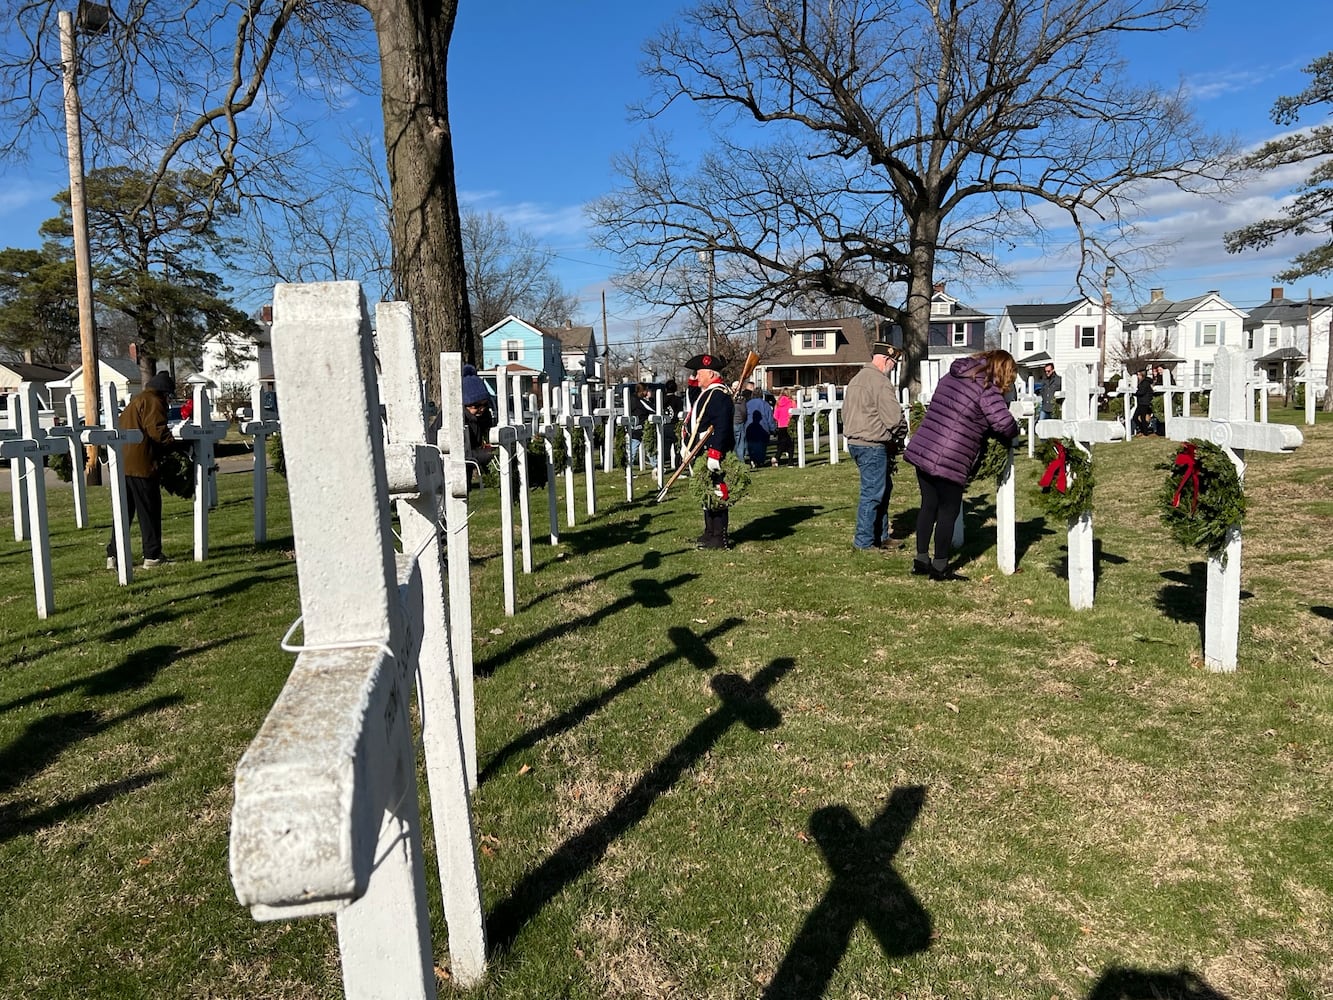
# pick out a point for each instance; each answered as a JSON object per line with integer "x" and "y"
{"x": 834, "y": 410}
{"x": 547, "y": 429}
{"x": 1079, "y": 422}
{"x": 603, "y": 415}
{"x": 568, "y": 422}
{"x": 589, "y": 444}
{"x": 326, "y": 817}
{"x": 29, "y": 451}
{"x": 658, "y": 421}
{"x": 416, "y": 477}
{"x": 1312, "y": 383}
{"x": 78, "y": 478}
{"x": 453, "y": 445}
{"x": 624, "y": 418}
{"x": 203, "y": 431}
{"x": 522, "y": 437}
{"x": 18, "y": 487}
{"x": 113, "y": 440}
{"x": 505, "y": 436}
{"x": 263, "y": 424}
{"x": 1230, "y": 427}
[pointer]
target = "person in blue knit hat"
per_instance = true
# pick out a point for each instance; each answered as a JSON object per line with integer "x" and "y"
{"x": 478, "y": 419}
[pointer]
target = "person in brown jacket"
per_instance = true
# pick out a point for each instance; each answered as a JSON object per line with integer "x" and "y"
{"x": 147, "y": 413}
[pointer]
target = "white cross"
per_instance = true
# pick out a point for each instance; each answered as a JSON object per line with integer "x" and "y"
{"x": 1080, "y": 424}
{"x": 113, "y": 440}
{"x": 204, "y": 432}
{"x": 77, "y": 457}
{"x": 261, "y": 425}
{"x": 28, "y": 452}
{"x": 1230, "y": 426}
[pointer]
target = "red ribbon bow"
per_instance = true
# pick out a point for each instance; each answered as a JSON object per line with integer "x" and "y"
{"x": 1185, "y": 457}
{"x": 1057, "y": 471}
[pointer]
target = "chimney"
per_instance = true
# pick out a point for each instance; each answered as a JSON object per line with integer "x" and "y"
{"x": 1158, "y": 294}
{"x": 939, "y": 286}
{"x": 134, "y": 352}
{"x": 266, "y": 314}
{"x": 1277, "y": 293}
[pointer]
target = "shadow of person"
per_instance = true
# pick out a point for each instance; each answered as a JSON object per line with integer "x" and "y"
{"x": 864, "y": 886}
{"x": 1119, "y": 983}
{"x": 775, "y": 525}
{"x": 1323, "y": 611}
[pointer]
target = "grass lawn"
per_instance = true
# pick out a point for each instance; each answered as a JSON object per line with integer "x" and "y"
{"x": 787, "y": 770}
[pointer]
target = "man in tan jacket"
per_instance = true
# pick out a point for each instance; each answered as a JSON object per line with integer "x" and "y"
{"x": 147, "y": 413}
{"x": 872, "y": 422}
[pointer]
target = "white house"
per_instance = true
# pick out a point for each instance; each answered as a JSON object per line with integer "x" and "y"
{"x": 1192, "y": 328}
{"x": 1285, "y": 336}
{"x": 238, "y": 358}
{"x": 1064, "y": 333}
{"x": 120, "y": 372}
{"x": 578, "y": 351}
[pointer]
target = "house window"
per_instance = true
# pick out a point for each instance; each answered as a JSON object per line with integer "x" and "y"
{"x": 1249, "y": 340}
{"x": 1087, "y": 336}
{"x": 812, "y": 340}
{"x": 1029, "y": 340}
{"x": 1210, "y": 334}
{"x": 513, "y": 350}
{"x": 960, "y": 335}
{"x": 1272, "y": 336}
{"x": 939, "y": 307}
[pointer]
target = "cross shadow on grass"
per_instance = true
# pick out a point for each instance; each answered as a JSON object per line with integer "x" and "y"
{"x": 1099, "y": 557}
{"x": 651, "y": 560}
{"x": 41, "y": 744}
{"x": 644, "y": 591}
{"x": 1323, "y": 611}
{"x": 137, "y": 670}
{"x": 1120, "y": 983}
{"x": 742, "y": 701}
{"x": 608, "y": 534}
{"x": 1184, "y": 597}
{"x": 684, "y": 645}
{"x": 864, "y": 886}
{"x": 775, "y": 525}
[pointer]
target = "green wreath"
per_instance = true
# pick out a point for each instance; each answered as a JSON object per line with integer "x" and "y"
{"x": 701, "y": 482}
{"x": 992, "y": 461}
{"x": 1201, "y": 520}
{"x": 1076, "y": 498}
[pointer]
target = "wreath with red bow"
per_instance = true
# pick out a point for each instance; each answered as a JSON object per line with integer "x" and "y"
{"x": 1202, "y": 496}
{"x": 1064, "y": 491}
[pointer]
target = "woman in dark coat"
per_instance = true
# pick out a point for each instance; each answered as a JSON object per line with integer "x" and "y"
{"x": 967, "y": 405}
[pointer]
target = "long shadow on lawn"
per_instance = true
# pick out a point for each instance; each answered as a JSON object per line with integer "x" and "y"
{"x": 685, "y": 645}
{"x": 608, "y": 534}
{"x": 644, "y": 592}
{"x": 651, "y": 560}
{"x": 776, "y": 525}
{"x": 1099, "y": 556}
{"x": 1322, "y": 611}
{"x": 1119, "y": 983}
{"x": 1185, "y": 596}
{"x": 865, "y": 886}
{"x": 42, "y": 743}
{"x": 742, "y": 701}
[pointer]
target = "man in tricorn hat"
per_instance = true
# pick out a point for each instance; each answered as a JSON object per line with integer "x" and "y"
{"x": 712, "y": 409}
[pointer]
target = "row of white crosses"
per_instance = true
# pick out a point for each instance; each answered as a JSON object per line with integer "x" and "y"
{"x": 1230, "y": 426}
{"x": 26, "y": 446}
{"x": 326, "y": 817}
{"x": 809, "y": 408}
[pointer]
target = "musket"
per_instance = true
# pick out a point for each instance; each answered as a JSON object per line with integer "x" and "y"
{"x": 690, "y": 456}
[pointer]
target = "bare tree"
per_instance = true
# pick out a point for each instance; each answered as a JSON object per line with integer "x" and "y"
{"x": 1311, "y": 211}
{"x": 217, "y": 84}
{"x": 895, "y": 138}
{"x": 509, "y": 273}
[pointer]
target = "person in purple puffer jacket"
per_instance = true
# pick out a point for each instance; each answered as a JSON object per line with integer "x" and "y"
{"x": 968, "y": 404}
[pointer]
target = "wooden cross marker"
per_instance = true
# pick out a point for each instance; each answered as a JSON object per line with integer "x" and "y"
{"x": 113, "y": 440}
{"x": 326, "y": 817}
{"x": 1230, "y": 426}
{"x": 204, "y": 432}
{"x": 263, "y": 424}
{"x": 28, "y": 452}
{"x": 1080, "y": 424}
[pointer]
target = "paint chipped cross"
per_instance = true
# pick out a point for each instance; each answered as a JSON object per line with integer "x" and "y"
{"x": 1228, "y": 425}
{"x": 865, "y": 886}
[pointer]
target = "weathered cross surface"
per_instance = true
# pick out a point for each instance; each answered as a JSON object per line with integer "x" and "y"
{"x": 1080, "y": 424}
{"x": 203, "y": 432}
{"x": 510, "y": 436}
{"x": 1230, "y": 427}
{"x": 865, "y": 886}
{"x": 326, "y": 817}
{"x": 547, "y": 428}
{"x": 263, "y": 424}
{"x": 113, "y": 440}
{"x": 27, "y": 452}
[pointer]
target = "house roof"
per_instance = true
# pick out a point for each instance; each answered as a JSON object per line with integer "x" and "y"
{"x": 1281, "y": 354}
{"x": 572, "y": 338}
{"x": 124, "y": 367}
{"x": 774, "y": 342}
{"x": 36, "y": 373}
{"x": 1166, "y": 311}
{"x": 1041, "y": 313}
{"x": 1035, "y": 360}
{"x": 1288, "y": 312}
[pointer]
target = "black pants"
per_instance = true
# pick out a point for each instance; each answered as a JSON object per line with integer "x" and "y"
{"x": 941, "y": 500}
{"x": 145, "y": 497}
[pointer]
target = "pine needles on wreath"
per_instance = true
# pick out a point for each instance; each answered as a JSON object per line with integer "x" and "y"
{"x": 993, "y": 460}
{"x": 1070, "y": 467}
{"x": 1202, "y": 497}
{"x": 701, "y": 483}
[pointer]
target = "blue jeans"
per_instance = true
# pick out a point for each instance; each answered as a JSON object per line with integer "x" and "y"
{"x": 739, "y": 431}
{"x": 872, "y": 512}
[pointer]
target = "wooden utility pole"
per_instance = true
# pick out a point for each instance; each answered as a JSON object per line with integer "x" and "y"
{"x": 92, "y": 22}
{"x": 606, "y": 343}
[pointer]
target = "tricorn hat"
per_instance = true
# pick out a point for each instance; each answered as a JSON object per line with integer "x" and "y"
{"x": 713, "y": 362}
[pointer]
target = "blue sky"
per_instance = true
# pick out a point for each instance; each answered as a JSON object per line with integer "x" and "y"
{"x": 538, "y": 105}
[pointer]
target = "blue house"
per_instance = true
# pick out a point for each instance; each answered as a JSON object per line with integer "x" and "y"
{"x": 520, "y": 348}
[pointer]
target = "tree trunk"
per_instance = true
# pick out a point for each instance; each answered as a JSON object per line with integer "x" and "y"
{"x": 428, "y": 244}
{"x": 920, "y": 288}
